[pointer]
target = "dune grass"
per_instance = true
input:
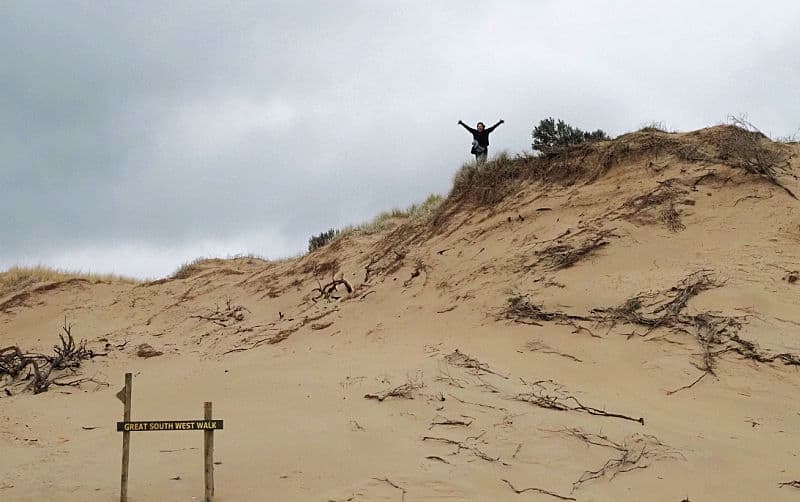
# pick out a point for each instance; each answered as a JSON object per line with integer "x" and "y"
{"x": 416, "y": 213}
{"x": 18, "y": 278}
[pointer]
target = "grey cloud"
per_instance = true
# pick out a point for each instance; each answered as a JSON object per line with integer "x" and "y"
{"x": 139, "y": 132}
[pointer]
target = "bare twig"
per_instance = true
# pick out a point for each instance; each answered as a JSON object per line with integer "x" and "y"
{"x": 394, "y": 485}
{"x": 549, "y": 394}
{"x": 457, "y": 358}
{"x": 537, "y": 490}
{"x": 405, "y": 391}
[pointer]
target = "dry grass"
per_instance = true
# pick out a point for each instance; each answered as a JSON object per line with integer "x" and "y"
{"x": 747, "y": 148}
{"x": 414, "y": 214}
{"x": 18, "y": 278}
{"x": 189, "y": 268}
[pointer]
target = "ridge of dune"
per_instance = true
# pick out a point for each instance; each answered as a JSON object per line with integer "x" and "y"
{"x": 513, "y": 339}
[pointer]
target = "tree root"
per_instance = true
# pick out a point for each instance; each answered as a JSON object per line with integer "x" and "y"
{"x": 457, "y": 358}
{"x": 549, "y": 395}
{"x": 537, "y": 490}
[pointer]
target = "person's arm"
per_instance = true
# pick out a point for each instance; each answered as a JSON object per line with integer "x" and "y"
{"x": 501, "y": 121}
{"x": 468, "y": 128}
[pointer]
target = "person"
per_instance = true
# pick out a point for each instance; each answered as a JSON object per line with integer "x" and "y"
{"x": 480, "y": 139}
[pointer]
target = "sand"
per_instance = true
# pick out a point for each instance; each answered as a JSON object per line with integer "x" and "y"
{"x": 290, "y": 377}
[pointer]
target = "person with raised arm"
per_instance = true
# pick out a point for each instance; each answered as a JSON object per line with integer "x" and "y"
{"x": 480, "y": 139}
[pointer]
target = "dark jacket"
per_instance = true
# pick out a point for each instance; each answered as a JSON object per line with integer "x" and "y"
{"x": 482, "y": 137}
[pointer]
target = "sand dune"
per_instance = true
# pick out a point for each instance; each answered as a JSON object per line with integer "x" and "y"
{"x": 504, "y": 349}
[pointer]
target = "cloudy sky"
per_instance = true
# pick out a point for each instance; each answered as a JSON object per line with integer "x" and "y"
{"x": 135, "y": 136}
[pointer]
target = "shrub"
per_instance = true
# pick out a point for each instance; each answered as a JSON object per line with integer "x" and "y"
{"x": 317, "y": 241}
{"x": 550, "y": 135}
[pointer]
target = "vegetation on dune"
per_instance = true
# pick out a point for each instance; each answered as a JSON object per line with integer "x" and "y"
{"x": 414, "y": 214}
{"x": 18, "y": 278}
{"x": 550, "y": 135}
{"x": 317, "y": 241}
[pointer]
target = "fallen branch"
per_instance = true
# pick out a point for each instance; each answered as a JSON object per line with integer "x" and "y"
{"x": 405, "y": 391}
{"x": 537, "y": 490}
{"x": 565, "y": 255}
{"x": 457, "y": 358}
{"x": 394, "y": 485}
{"x": 548, "y": 394}
{"x": 327, "y": 291}
{"x": 466, "y": 445}
{"x": 636, "y": 452}
{"x": 226, "y": 317}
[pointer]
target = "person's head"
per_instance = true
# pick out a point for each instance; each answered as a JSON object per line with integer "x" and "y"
{"x": 481, "y": 126}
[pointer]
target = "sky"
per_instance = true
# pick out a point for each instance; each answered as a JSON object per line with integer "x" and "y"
{"x": 136, "y": 136}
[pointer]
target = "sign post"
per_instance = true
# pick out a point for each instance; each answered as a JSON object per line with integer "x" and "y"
{"x": 126, "y": 437}
{"x": 208, "y": 455}
{"x": 208, "y": 425}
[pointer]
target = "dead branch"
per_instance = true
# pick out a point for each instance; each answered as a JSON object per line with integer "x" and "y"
{"x": 654, "y": 310}
{"x": 537, "y": 490}
{"x": 457, "y": 358}
{"x": 438, "y": 420}
{"x": 749, "y": 149}
{"x": 548, "y": 394}
{"x": 394, "y": 485}
{"x": 226, "y": 317}
{"x": 40, "y": 368}
{"x": 446, "y": 377}
{"x": 538, "y": 346}
{"x": 467, "y": 444}
{"x": 636, "y": 453}
{"x": 793, "y": 484}
{"x": 437, "y": 458}
{"x": 520, "y": 310}
{"x": 328, "y": 290}
{"x": 657, "y": 205}
{"x": 565, "y": 255}
{"x": 477, "y": 404}
{"x": 690, "y": 385}
{"x": 405, "y": 391}
{"x": 591, "y": 439}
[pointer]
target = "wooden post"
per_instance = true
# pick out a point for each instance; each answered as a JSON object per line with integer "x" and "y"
{"x": 208, "y": 455}
{"x": 126, "y": 438}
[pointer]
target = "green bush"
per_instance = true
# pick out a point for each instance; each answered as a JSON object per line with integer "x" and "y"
{"x": 550, "y": 135}
{"x": 317, "y": 241}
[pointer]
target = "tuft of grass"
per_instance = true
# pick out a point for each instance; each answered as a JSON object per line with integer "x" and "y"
{"x": 416, "y": 213}
{"x": 655, "y": 126}
{"x": 491, "y": 181}
{"x": 18, "y": 278}
{"x": 189, "y": 268}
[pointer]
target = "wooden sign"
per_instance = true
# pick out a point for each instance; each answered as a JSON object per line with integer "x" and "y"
{"x": 170, "y": 425}
{"x": 208, "y": 425}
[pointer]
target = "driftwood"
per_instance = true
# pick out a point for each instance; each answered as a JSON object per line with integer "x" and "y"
{"x": 328, "y": 291}
{"x": 635, "y": 452}
{"x": 468, "y": 444}
{"x": 565, "y": 255}
{"x": 405, "y": 391}
{"x": 550, "y": 395}
{"x": 40, "y": 368}
{"x": 391, "y": 483}
{"x": 536, "y": 490}
{"x": 457, "y": 358}
{"x": 522, "y": 311}
{"x": 226, "y": 317}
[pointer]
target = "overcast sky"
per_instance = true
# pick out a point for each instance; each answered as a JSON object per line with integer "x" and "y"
{"x": 135, "y": 136}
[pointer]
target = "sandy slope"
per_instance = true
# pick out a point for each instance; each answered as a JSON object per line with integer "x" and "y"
{"x": 299, "y": 428}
